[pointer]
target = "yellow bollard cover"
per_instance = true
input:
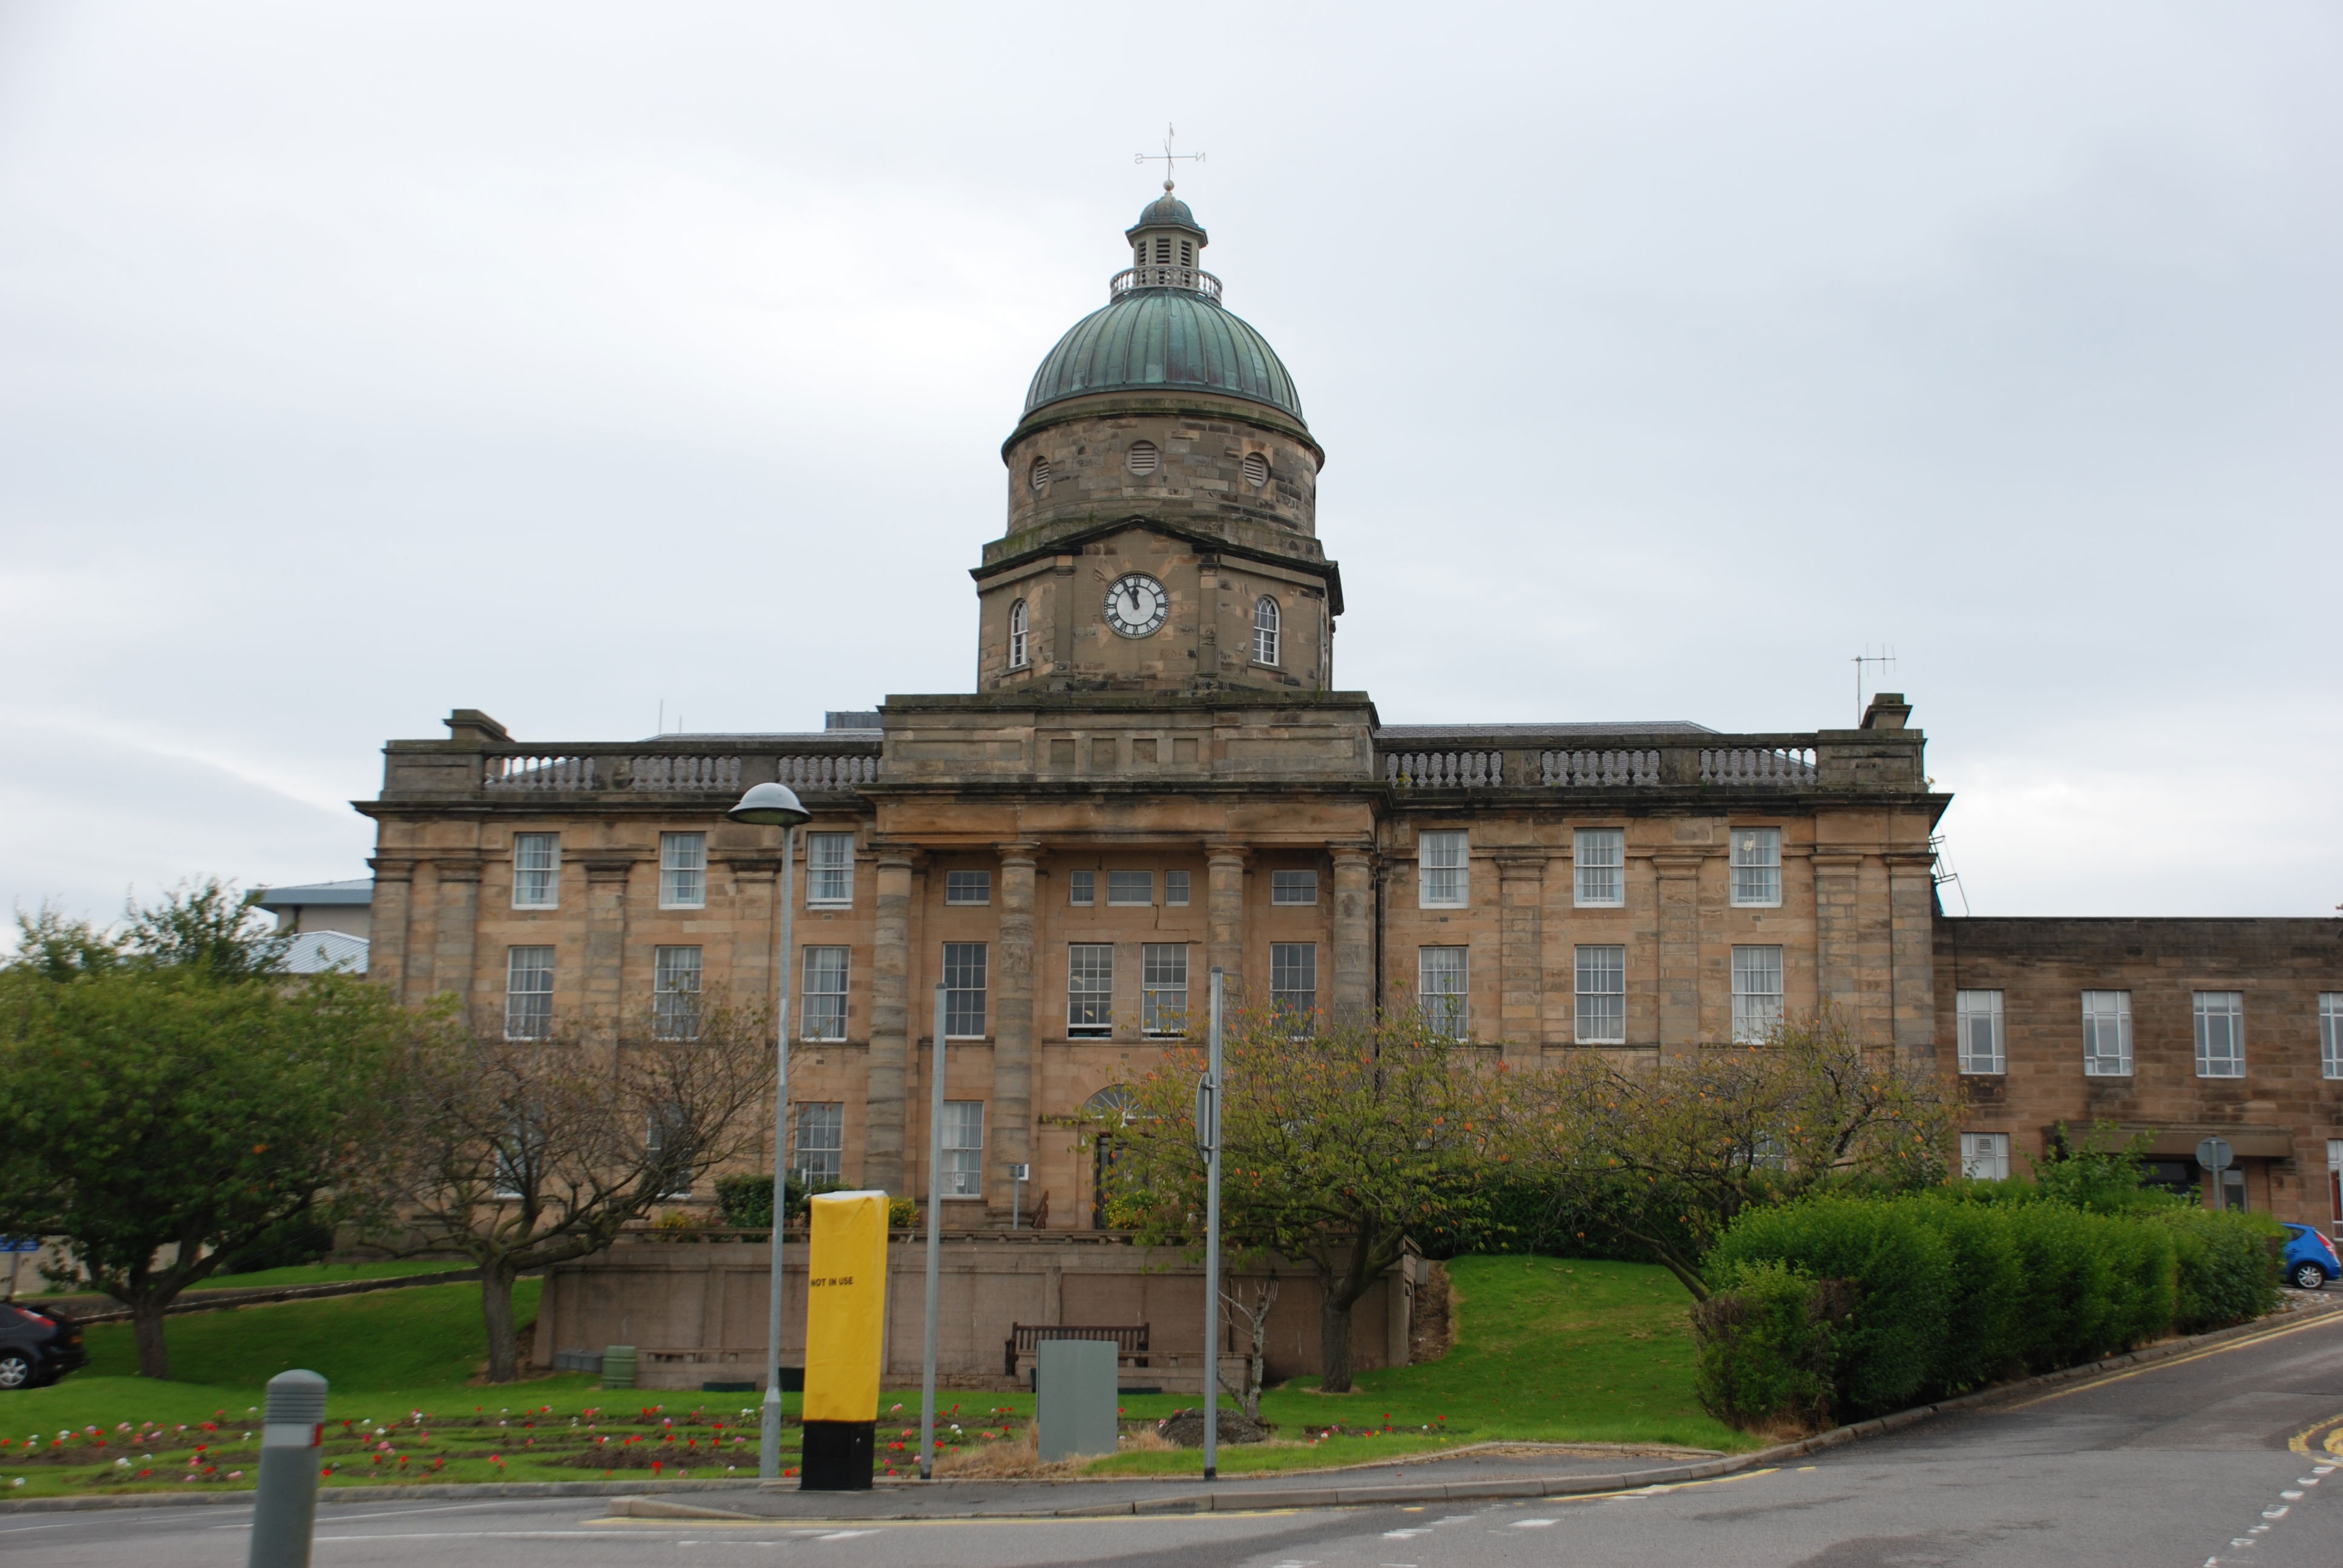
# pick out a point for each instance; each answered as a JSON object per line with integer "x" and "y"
{"x": 845, "y": 1306}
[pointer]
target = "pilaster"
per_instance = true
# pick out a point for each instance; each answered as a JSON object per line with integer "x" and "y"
{"x": 459, "y": 899}
{"x": 1011, "y": 1138}
{"x": 1225, "y": 880}
{"x": 1678, "y": 872}
{"x": 394, "y": 894}
{"x": 891, "y": 979}
{"x": 604, "y": 989}
{"x": 1353, "y": 996}
{"x": 1911, "y": 910}
{"x": 1520, "y": 952}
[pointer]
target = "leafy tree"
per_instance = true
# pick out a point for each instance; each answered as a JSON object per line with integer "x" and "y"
{"x": 169, "y": 1098}
{"x": 1667, "y": 1155}
{"x": 1340, "y": 1148}
{"x": 522, "y": 1154}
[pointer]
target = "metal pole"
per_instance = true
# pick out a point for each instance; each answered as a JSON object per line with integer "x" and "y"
{"x": 935, "y": 1243}
{"x": 285, "y": 1508}
{"x": 769, "y": 1450}
{"x": 1210, "y": 1136}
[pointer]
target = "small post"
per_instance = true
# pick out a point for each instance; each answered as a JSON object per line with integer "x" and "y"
{"x": 935, "y": 1244}
{"x": 285, "y": 1509}
{"x": 1208, "y": 1136}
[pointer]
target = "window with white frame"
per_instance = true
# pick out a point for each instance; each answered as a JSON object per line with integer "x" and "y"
{"x": 1163, "y": 988}
{"x": 1081, "y": 888}
{"x": 683, "y": 870}
{"x": 830, "y": 869}
{"x": 1175, "y": 889}
{"x": 1441, "y": 870}
{"x": 1602, "y": 995}
{"x": 2106, "y": 1034}
{"x": 1984, "y": 1156}
{"x": 1294, "y": 981}
{"x": 820, "y": 1156}
{"x": 1090, "y": 990}
{"x": 2330, "y": 1034}
{"x": 2221, "y": 1034}
{"x": 1264, "y": 630}
{"x": 675, "y": 993}
{"x": 1017, "y": 656}
{"x": 1977, "y": 1017}
{"x": 1600, "y": 857}
{"x": 528, "y": 994}
{"x": 1442, "y": 991}
{"x": 1293, "y": 887}
{"x": 963, "y": 1168}
{"x": 537, "y": 870}
{"x": 1756, "y": 993}
{"x": 825, "y": 993}
{"x": 1757, "y": 866}
{"x": 1131, "y": 888}
{"x": 968, "y": 887}
{"x": 520, "y": 1159}
{"x": 964, "y": 990}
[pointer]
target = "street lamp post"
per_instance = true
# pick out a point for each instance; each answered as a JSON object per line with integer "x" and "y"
{"x": 777, "y": 806}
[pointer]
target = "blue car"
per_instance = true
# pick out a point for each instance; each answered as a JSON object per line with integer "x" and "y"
{"x": 2311, "y": 1260}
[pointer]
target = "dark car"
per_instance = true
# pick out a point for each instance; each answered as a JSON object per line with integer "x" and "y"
{"x": 36, "y": 1349}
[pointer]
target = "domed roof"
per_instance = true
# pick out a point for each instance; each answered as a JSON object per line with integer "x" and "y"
{"x": 1166, "y": 211}
{"x": 1162, "y": 339}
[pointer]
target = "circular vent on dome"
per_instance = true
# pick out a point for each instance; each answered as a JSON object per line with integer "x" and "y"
{"x": 1040, "y": 473}
{"x": 1256, "y": 469}
{"x": 1143, "y": 457}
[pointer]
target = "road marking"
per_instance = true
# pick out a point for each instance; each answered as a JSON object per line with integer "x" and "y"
{"x": 842, "y": 1535}
{"x": 1533, "y": 1523}
{"x": 1403, "y": 1534}
{"x": 2325, "y": 1320}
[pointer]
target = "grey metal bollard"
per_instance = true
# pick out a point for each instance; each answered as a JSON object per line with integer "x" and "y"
{"x": 285, "y": 1509}
{"x": 1075, "y": 1389}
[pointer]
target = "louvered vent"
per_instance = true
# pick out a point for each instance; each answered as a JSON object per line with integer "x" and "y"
{"x": 1256, "y": 469}
{"x": 1143, "y": 457}
{"x": 1040, "y": 473}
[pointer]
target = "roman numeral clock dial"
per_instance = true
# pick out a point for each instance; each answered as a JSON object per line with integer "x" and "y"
{"x": 1136, "y": 604}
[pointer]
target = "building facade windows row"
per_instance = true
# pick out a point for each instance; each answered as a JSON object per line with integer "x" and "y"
{"x": 1599, "y": 862}
{"x": 682, "y": 870}
{"x": 1128, "y": 890}
{"x": 2218, "y": 1019}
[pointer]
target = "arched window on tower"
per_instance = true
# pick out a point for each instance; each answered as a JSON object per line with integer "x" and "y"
{"x": 1264, "y": 630}
{"x": 1017, "y": 655}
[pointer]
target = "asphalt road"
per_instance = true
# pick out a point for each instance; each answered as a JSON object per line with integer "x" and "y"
{"x": 2214, "y": 1458}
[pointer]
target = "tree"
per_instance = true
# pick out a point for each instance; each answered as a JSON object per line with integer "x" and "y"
{"x": 168, "y": 1098}
{"x": 1667, "y": 1155}
{"x": 1339, "y": 1147}
{"x": 523, "y": 1153}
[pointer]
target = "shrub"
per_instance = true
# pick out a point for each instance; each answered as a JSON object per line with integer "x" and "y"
{"x": 1765, "y": 1348}
{"x": 2226, "y": 1271}
{"x": 1988, "y": 1293}
{"x": 1892, "y": 1345}
{"x": 744, "y": 1199}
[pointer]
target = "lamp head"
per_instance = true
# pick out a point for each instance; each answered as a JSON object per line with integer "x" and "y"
{"x": 770, "y": 806}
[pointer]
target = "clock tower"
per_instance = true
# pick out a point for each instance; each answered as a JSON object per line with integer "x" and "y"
{"x": 1162, "y": 500}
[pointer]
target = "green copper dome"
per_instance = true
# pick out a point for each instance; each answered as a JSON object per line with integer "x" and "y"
{"x": 1153, "y": 339}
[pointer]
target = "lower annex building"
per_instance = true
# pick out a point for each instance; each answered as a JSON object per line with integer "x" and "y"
{"x": 1159, "y": 774}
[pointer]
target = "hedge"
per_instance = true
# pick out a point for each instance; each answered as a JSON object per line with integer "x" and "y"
{"x": 1937, "y": 1294}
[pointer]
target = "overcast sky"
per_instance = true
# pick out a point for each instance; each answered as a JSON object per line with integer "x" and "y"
{"x": 568, "y": 360}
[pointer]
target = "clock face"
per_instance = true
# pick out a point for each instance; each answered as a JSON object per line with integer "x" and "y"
{"x": 1136, "y": 604}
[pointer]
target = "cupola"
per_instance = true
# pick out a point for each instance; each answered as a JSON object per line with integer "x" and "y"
{"x": 1167, "y": 247}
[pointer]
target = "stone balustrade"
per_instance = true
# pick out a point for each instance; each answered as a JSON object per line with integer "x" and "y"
{"x": 1855, "y": 760}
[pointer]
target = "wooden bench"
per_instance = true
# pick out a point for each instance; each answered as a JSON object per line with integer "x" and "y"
{"x": 1130, "y": 1341}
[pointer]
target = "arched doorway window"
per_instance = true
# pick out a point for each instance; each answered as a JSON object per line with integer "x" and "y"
{"x": 1113, "y": 1106}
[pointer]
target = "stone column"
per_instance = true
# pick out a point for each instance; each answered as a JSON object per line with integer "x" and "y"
{"x": 890, "y": 981}
{"x": 1353, "y": 993}
{"x": 1912, "y": 893}
{"x": 1520, "y": 952}
{"x": 458, "y": 899}
{"x": 394, "y": 893}
{"x": 1838, "y": 934}
{"x": 603, "y": 992}
{"x": 1225, "y": 922}
{"x": 1679, "y": 924}
{"x": 1012, "y": 1025}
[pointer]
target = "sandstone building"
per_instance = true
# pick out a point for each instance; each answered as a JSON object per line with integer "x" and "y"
{"x": 1160, "y": 773}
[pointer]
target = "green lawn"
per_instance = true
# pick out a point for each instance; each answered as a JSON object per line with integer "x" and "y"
{"x": 259, "y": 1278}
{"x": 1545, "y": 1350}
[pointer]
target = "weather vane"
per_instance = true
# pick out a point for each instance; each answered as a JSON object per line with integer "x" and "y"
{"x": 1168, "y": 156}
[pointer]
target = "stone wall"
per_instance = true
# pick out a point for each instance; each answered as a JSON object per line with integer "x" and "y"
{"x": 696, "y": 1312}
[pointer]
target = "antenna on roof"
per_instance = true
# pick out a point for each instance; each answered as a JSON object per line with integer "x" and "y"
{"x": 1168, "y": 156}
{"x": 1885, "y": 658}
